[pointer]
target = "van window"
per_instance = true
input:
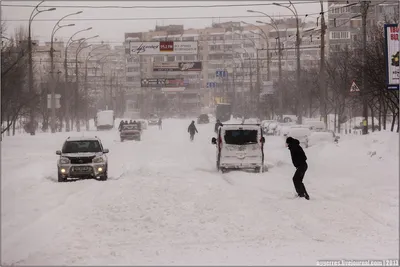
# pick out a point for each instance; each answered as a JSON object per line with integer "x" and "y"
{"x": 241, "y": 137}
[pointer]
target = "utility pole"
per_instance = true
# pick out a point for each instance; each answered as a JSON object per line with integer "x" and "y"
{"x": 78, "y": 128}
{"x": 30, "y": 81}
{"x": 258, "y": 92}
{"x": 66, "y": 92}
{"x": 364, "y": 12}
{"x": 86, "y": 97}
{"x": 323, "y": 93}
{"x": 53, "y": 85}
{"x": 299, "y": 87}
{"x": 281, "y": 88}
{"x": 251, "y": 85}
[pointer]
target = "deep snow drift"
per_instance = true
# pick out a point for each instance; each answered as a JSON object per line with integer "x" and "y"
{"x": 164, "y": 203}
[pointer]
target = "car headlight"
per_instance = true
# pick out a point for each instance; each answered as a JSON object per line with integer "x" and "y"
{"x": 64, "y": 161}
{"x": 98, "y": 160}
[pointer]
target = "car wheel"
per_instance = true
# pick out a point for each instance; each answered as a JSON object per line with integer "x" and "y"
{"x": 61, "y": 178}
{"x": 224, "y": 170}
{"x": 104, "y": 177}
{"x": 257, "y": 169}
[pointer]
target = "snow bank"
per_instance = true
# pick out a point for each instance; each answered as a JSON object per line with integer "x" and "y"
{"x": 165, "y": 203}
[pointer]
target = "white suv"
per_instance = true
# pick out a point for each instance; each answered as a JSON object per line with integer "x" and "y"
{"x": 82, "y": 157}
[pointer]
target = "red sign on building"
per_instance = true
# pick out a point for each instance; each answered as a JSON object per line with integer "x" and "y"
{"x": 166, "y": 46}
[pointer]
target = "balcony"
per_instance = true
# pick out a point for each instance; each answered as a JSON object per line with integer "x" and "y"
{"x": 190, "y": 100}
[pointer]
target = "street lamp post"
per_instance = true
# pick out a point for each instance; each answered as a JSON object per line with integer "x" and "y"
{"x": 103, "y": 74}
{"x": 86, "y": 85}
{"x": 281, "y": 88}
{"x": 78, "y": 50}
{"x": 300, "y": 98}
{"x": 66, "y": 92}
{"x": 256, "y": 95}
{"x": 30, "y": 71}
{"x": 53, "y": 99}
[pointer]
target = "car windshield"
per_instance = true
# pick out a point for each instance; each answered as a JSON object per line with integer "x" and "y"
{"x": 81, "y": 146}
{"x": 241, "y": 137}
{"x": 203, "y": 116}
{"x": 130, "y": 127}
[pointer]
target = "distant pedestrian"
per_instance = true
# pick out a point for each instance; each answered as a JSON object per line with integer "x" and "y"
{"x": 192, "y": 130}
{"x": 299, "y": 159}
{"x": 160, "y": 124}
{"x": 121, "y": 123}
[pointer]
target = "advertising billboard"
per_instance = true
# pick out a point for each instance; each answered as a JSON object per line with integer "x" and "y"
{"x": 392, "y": 56}
{"x": 177, "y": 66}
{"x": 162, "y": 82}
{"x": 163, "y": 48}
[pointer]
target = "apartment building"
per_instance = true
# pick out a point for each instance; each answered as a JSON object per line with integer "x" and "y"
{"x": 225, "y": 47}
{"x": 345, "y": 23}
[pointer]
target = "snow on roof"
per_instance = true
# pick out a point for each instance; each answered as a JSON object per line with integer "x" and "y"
{"x": 82, "y": 138}
{"x": 244, "y": 126}
{"x": 190, "y": 34}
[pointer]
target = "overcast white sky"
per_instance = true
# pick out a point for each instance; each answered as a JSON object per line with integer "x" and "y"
{"x": 112, "y": 31}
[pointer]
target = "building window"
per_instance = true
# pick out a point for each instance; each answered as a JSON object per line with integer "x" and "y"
{"x": 340, "y": 10}
{"x": 189, "y": 57}
{"x": 339, "y": 35}
{"x": 170, "y": 58}
{"x": 356, "y": 23}
{"x": 132, "y": 69}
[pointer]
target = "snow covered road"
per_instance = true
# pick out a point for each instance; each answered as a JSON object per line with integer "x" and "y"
{"x": 164, "y": 203}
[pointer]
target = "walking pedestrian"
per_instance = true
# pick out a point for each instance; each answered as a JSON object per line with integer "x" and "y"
{"x": 159, "y": 124}
{"x": 192, "y": 130}
{"x": 299, "y": 159}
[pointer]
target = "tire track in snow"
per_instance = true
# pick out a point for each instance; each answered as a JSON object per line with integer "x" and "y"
{"x": 39, "y": 233}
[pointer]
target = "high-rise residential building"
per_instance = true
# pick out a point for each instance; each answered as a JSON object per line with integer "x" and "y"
{"x": 345, "y": 21}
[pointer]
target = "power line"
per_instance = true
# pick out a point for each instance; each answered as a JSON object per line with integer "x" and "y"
{"x": 147, "y": 7}
{"x": 156, "y": 18}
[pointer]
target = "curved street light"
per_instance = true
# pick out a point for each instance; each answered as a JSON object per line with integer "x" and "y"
{"x": 67, "y": 98}
{"x": 103, "y": 74}
{"x": 30, "y": 72}
{"x": 53, "y": 99}
{"x": 78, "y": 50}
{"x": 298, "y": 40}
{"x": 86, "y": 87}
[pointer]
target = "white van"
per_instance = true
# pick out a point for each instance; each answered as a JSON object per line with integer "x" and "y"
{"x": 240, "y": 146}
{"x": 105, "y": 120}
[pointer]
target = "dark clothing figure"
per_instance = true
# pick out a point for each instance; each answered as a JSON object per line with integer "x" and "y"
{"x": 131, "y": 122}
{"x": 120, "y": 125}
{"x": 159, "y": 124}
{"x": 217, "y": 125}
{"x": 299, "y": 159}
{"x": 192, "y": 130}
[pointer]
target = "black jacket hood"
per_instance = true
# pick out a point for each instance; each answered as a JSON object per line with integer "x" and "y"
{"x": 292, "y": 142}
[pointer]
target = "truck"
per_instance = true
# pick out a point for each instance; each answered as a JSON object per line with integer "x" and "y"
{"x": 105, "y": 120}
{"x": 223, "y": 112}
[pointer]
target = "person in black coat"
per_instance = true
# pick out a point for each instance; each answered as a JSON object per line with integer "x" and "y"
{"x": 299, "y": 159}
{"x": 192, "y": 130}
{"x": 120, "y": 125}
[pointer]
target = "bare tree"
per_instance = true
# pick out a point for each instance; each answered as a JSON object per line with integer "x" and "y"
{"x": 15, "y": 97}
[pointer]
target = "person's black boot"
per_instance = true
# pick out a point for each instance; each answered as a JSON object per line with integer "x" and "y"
{"x": 306, "y": 196}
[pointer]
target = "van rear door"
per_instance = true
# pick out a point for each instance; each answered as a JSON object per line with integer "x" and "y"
{"x": 241, "y": 143}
